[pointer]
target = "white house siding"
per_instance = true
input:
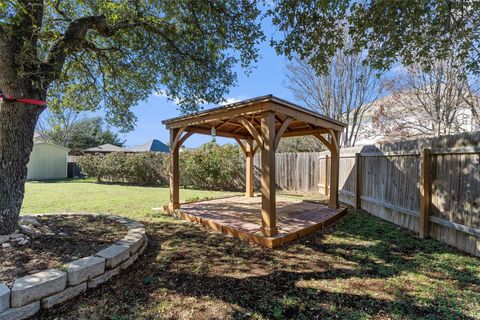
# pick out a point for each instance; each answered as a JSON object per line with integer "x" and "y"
{"x": 47, "y": 162}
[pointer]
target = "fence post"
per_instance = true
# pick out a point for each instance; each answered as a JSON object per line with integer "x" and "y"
{"x": 326, "y": 175}
{"x": 358, "y": 181}
{"x": 425, "y": 193}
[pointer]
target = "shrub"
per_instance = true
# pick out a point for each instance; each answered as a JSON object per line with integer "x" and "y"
{"x": 212, "y": 167}
{"x": 141, "y": 169}
{"x": 209, "y": 167}
{"x": 90, "y": 166}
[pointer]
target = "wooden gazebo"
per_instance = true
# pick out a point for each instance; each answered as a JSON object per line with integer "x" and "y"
{"x": 257, "y": 124}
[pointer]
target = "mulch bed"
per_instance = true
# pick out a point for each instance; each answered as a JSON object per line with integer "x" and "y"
{"x": 76, "y": 236}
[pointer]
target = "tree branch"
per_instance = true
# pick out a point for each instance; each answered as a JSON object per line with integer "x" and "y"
{"x": 73, "y": 40}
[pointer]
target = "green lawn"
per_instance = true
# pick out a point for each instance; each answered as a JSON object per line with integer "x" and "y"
{"x": 88, "y": 196}
{"x": 360, "y": 268}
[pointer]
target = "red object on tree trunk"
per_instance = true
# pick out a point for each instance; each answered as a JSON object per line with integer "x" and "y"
{"x": 7, "y": 98}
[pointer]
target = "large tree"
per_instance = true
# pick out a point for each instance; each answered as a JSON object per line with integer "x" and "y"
{"x": 110, "y": 54}
{"x": 390, "y": 31}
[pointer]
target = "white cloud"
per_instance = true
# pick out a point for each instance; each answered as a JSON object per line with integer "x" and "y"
{"x": 232, "y": 100}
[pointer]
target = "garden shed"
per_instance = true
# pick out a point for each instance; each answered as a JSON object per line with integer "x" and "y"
{"x": 258, "y": 124}
{"x": 47, "y": 162}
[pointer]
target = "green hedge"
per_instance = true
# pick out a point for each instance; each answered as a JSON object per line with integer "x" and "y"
{"x": 209, "y": 167}
{"x": 140, "y": 169}
{"x": 212, "y": 167}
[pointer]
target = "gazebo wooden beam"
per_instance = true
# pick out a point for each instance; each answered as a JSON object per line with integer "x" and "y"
{"x": 334, "y": 169}
{"x": 334, "y": 147}
{"x": 176, "y": 137}
{"x": 242, "y": 146}
{"x": 324, "y": 140}
{"x": 268, "y": 185}
{"x": 335, "y": 140}
{"x": 249, "y": 168}
{"x": 249, "y": 153}
{"x": 224, "y": 123}
{"x": 281, "y": 131}
{"x": 306, "y": 117}
{"x": 251, "y": 129}
{"x": 304, "y": 132}
{"x": 174, "y": 173}
{"x": 218, "y": 133}
{"x": 185, "y": 136}
{"x": 209, "y": 117}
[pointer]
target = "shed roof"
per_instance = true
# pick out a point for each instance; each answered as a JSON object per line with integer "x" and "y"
{"x": 227, "y": 119}
{"x": 50, "y": 144}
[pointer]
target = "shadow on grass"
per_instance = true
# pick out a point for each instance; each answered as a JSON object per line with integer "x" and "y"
{"x": 343, "y": 272}
{"x": 126, "y": 184}
{"x": 66, "y": 180}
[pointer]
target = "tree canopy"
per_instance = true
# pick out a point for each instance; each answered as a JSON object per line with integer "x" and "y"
{"x": 113, "y": 54}
{"x": 390, "y": 31}
{"x": 77, "y": 134}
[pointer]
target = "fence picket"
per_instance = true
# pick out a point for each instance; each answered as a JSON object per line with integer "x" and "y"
{"x": 389, "y": 178}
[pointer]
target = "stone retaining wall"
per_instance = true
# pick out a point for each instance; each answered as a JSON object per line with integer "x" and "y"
{"x": 49, "y": 288}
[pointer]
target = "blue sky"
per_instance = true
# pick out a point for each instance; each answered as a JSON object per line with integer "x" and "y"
{"x": 268, "y": 77}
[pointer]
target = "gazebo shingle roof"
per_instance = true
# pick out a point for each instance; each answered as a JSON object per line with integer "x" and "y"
{"x": 227, "y": 118}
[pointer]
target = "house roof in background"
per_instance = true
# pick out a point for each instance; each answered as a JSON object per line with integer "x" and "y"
{"x": 107, "y": 148}
{"x": 152, "y": 145}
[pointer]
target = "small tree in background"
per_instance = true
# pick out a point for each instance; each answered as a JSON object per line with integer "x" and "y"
{"x": 66, "y": 129}
{"x": 344, "y": 91}
{"x": 300, "y": 144}
{"x": 57, "y": 126}
{"x": 429, "y": 103}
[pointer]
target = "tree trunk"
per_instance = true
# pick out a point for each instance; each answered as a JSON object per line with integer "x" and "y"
{"x": 17, "y": 127}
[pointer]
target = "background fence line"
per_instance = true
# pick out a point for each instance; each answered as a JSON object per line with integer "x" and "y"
{"x": 430, "y": 186}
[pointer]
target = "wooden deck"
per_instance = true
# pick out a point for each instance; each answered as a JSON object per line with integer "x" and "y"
{"x": 240, "y": 217}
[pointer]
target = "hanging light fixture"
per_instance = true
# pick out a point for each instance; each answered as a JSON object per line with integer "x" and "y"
{"x": 214, "y": 134}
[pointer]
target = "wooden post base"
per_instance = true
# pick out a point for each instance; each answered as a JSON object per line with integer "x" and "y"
{"x": 173, "y": 206}
{"x": 333, "y": 206}
{"x": 269, "y": 232}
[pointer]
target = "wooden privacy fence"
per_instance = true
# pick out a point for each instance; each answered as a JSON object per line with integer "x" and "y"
{"x": 432, "y": 189}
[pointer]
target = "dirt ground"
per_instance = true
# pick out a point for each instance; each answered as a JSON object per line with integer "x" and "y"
{"x": 76, "y": 236}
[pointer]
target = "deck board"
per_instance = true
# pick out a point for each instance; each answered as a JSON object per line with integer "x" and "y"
{"x": 240, "y": 217}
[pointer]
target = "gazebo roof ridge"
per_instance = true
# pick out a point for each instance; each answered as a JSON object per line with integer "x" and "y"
{"x": 248, "y": 102}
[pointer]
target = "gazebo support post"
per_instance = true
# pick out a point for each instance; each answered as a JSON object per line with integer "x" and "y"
{"x": 334, "y": 169}
{"x": 268, "y": 185}
{"x": 249, "y": 169}
{"x": 174, "y": 170}
{"x": 334, "y": 146}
